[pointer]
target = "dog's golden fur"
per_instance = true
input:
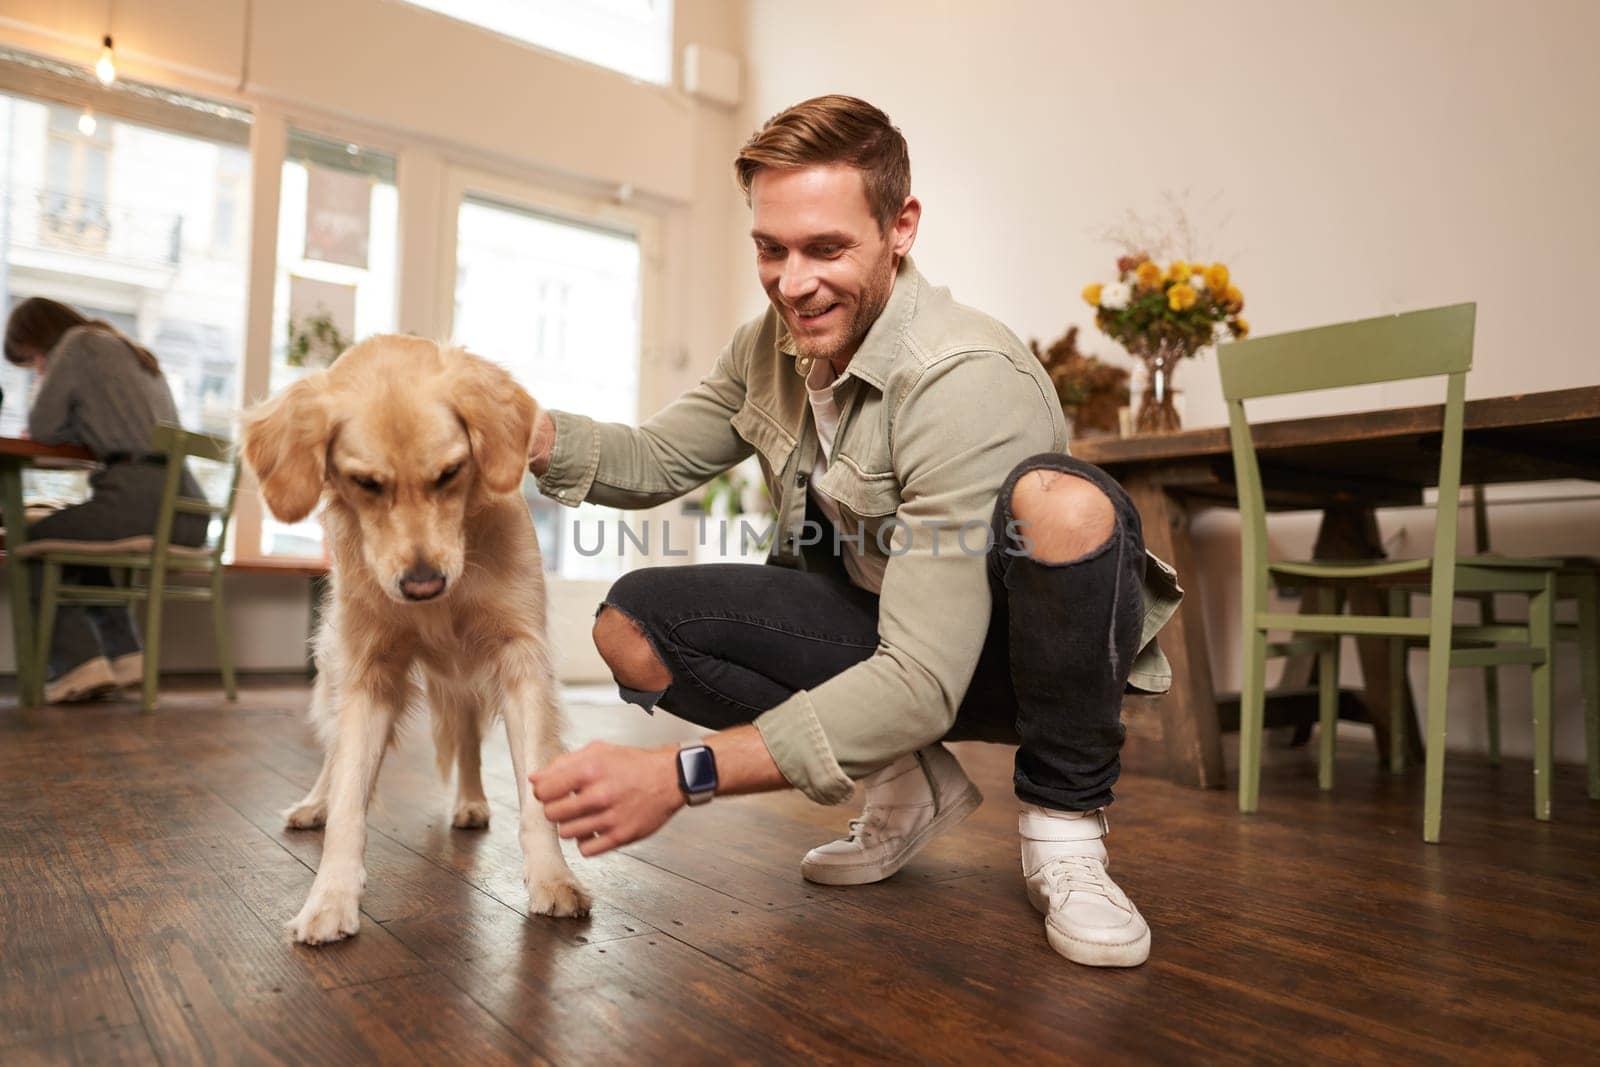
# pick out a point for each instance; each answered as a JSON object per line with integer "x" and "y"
{"x": 417, "y": 453}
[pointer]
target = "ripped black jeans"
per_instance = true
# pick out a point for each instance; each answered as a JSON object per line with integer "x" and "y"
{"x": 739, "y": 639}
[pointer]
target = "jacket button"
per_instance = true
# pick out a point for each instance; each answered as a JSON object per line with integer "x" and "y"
{"x": 801, "y": 479}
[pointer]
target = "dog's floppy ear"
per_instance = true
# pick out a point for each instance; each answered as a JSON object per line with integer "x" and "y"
{"x": 285, "y": 442}
{"x": 499, "y": 416}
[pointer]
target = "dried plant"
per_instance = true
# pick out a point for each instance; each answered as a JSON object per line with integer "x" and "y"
{"x": 1089, "y": 389}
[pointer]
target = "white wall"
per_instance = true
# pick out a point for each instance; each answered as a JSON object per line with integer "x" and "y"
{"x": 444, "y": 94}
{"x": 1348, "y": 158}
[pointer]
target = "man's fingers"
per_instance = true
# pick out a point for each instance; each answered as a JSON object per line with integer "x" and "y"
{"x": 563, "y": 775}
{"x": 586, "y": 826}
{"x": 593, "y": 846}
{"x": 575, "y": 806}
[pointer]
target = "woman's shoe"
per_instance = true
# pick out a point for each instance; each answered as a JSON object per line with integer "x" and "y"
{"x": 128, "y": 669}
{"x": 87, "y": 680}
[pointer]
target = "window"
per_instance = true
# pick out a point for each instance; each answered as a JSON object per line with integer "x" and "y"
{"x": 338, "y": 241}
{"x": 119, "y": 219}
{"x": 630, "y": 36}
{"x": 556, "y": 303}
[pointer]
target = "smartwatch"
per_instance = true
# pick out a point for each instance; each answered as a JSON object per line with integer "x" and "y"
{"x": 697, "y": 772}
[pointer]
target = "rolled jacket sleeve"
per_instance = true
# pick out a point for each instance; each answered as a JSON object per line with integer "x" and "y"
{"x": 965, "y": 423}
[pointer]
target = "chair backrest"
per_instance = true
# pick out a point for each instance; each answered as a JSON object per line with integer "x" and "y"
{"x": 179, "y": 445}
{"x": 1418, "y": 344}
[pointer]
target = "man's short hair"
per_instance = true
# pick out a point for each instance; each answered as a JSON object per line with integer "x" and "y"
{"x": 835, "y": 129}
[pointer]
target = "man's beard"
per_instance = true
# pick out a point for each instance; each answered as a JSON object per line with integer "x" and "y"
{"x": 874, "y": 298}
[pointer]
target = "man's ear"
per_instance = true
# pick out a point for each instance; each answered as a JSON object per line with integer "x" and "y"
{"x": 499, "y": 417}
{"x": 285, "y": 442}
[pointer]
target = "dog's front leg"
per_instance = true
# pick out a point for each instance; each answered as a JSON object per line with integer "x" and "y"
{"x": 365, "y": 723}
{"x": 533, "y": 728}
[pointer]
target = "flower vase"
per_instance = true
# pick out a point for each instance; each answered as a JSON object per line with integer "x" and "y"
{"x": 1157, "y": 413}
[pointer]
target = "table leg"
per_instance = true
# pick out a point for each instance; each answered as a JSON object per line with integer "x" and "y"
{"x": 17, "y": 573}
{"x": 1350, "y": 531}
{"x": 1189, "y": 710}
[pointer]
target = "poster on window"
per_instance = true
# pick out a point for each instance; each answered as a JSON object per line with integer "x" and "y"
{"x": 322, "y": 321}
{"x": 338, "y": 216}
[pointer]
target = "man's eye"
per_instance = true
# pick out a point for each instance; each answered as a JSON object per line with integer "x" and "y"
{"x": 446, "y": 476}
{"x": 371, "y": 485}
{"x": 830, "y": 251}
{"x": 770, "y": 251}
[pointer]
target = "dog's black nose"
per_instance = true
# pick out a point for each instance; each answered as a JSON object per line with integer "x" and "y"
{"x": 421, "y": 583}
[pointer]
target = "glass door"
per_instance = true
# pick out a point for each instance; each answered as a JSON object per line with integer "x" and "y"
{"x": 555, "y": 300}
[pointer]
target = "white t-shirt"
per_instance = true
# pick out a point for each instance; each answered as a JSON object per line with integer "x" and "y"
{"x": 865, "y": 571}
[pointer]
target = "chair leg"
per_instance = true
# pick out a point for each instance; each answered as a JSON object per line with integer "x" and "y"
{"x": 1541, "y": 634}
{"x": 1399, "y": 606}
{"x": 152, "y": 638}
{"x": 47, "y": 622}
{"x": 1491, "y": 689}
{"x": 219, "y": 622}
{"x": 1327, "y": 696}
{"x": 1588, "y": 586}
{"x": 1252, "y": 712}
{"x": 1438, "y": 706}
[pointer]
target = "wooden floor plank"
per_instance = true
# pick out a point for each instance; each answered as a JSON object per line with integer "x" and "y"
{"x": 58, "y": 975}
{"x": 124, "y": 1046}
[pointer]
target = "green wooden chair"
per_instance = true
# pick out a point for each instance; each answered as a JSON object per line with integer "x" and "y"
{"x": 150, "y": 562}
{"x": 1578, "y": 581}
{"x": 1423, "y": 344}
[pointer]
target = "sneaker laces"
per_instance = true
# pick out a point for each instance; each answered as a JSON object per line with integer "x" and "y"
{"x": 870, "y": 822}
{"x": 1085, "y": 874}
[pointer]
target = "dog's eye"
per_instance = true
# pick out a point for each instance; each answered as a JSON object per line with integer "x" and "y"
{"x": 446, "y": 476}
{"x": 371, "y": 485}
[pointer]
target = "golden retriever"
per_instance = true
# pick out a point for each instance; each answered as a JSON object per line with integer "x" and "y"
{"x": 417, "y": 453}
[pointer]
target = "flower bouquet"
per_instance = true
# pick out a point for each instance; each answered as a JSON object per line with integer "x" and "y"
{"x": 1163, "y": 315}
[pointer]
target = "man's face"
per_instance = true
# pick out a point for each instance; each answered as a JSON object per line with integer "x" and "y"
{"x": 825, "y": 264}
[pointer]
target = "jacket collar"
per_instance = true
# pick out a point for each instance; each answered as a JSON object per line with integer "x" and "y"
{"x": 876, "y": 355}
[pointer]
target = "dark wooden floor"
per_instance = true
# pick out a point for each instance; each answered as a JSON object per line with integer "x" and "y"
{"x": 146, "y": 878}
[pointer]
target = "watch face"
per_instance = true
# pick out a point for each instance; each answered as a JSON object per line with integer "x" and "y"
{"x": 697, "y": 770}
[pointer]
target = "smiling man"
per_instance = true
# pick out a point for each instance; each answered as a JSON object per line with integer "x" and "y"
{"x": 943, "y": 570}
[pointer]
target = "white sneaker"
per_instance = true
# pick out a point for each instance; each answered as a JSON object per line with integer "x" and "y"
{"x": 909, "y": 803}
{"x": 1087, "y": 918}
{"x": 129, "y": 669}
{"x": 88, "y": 679}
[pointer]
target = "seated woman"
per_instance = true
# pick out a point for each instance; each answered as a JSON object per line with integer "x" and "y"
{"x": 101, "y": 390}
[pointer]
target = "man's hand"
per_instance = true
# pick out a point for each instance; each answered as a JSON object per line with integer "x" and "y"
{"x": 608, "y": 795}
{"x": 544, "y": 442}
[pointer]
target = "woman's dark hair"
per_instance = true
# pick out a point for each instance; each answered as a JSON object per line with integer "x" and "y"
{"x": 38, "y": 325}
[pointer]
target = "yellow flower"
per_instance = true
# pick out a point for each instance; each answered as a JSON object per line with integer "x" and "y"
{"x": 1091, "y": 293}
{"x": 1241, "y": 329}
{"x": 1149, "y": 275}
{"x": 1216, "y": 277}
{"x": 1181, "y": 297}
{"x": 1179, "y": 271}
{"x": 1234, "y": 298}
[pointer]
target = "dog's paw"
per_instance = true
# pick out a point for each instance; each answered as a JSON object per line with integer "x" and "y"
{"x": 306, "y": 815}
{"x": 470, "y": 815}
{"x": 327, "y": 916}
{"x": 560, "y": 896}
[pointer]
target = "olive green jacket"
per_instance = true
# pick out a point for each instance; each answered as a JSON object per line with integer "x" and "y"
{"x": 937, "y": 406}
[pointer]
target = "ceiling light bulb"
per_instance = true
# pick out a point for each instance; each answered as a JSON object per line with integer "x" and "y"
{"x": 86, "y": 123}
{"x": 106, "y": 68}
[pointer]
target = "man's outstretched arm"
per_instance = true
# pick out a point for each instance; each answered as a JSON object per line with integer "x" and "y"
{"x": 683, "y": 445}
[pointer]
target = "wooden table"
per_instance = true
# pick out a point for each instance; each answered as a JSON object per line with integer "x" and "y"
{"x": 1345, "y": 466}
{"x": 17, "y": 453}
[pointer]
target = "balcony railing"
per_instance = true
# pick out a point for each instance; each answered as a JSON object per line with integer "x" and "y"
{"x": 84, "y": 224}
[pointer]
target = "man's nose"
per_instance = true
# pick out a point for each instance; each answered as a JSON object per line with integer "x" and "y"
{"x": 798, "y": 281}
